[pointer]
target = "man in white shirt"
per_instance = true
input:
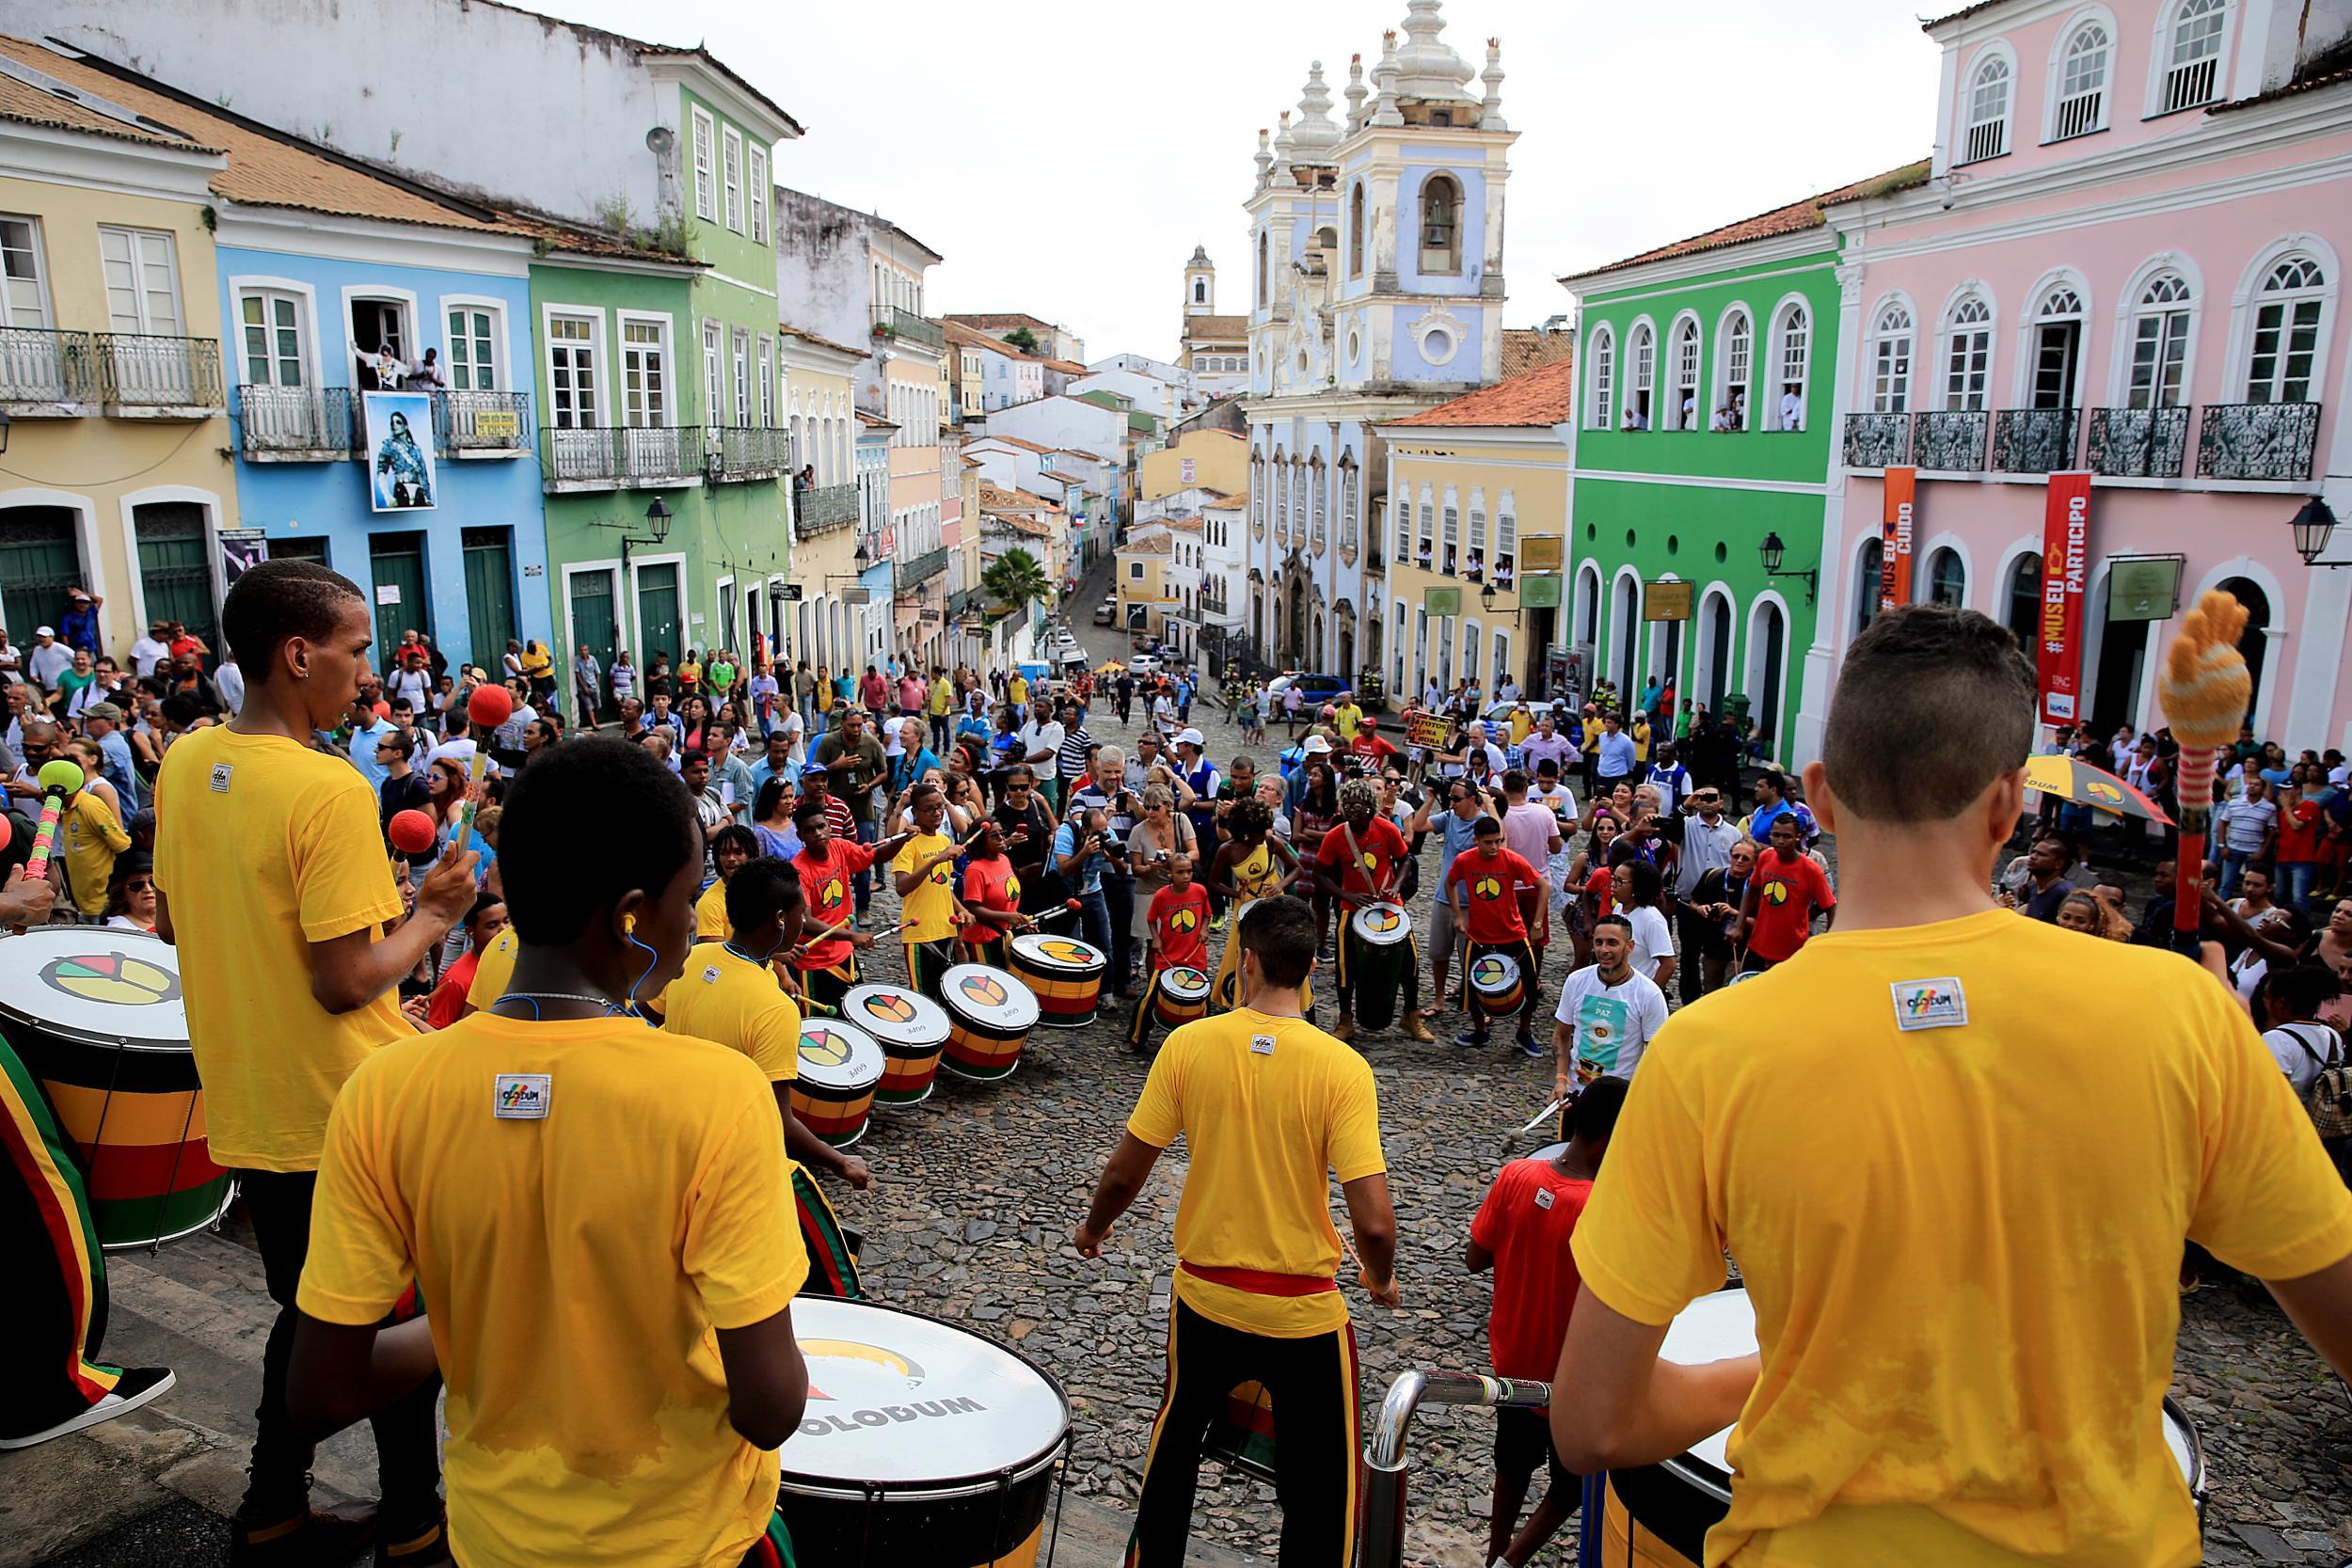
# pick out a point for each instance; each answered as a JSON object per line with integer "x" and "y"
{"x": 1792, "y": 410}
{"x": 1508, "y": 692}
{"x": 1609, "y": 1013}
{"x": 47, "y": 658}
{"x": 148, "y": 650}
{"x": 1041, "y": 743}
{"x": 230, "y": 682}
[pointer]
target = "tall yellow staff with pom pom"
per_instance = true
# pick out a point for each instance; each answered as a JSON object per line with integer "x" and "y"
{"x": 2204, "y": 691}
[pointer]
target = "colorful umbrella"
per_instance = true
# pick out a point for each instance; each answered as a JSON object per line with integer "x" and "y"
{"x": 2084, "y": 784}
{"x": 1110, "y": 669}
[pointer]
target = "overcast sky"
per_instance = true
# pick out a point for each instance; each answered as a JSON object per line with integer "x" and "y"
{"x": 1065, "y": 157}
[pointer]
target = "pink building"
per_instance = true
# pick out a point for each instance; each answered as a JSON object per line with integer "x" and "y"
{"x": 2129, "y": 259}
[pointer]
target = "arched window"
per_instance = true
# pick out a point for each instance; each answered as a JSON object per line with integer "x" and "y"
{"x": 1347, "y": 502}
{"x": 1319, "y": 481}
{"x": 2081, "y": 99}
{"x": 1262, "y": 268}
{"x": 2192, "y": 55}
{"x": 1604, "y": 356}
{"x": 1968, "y": 363}
{"x": 2023, "y": 603}
{"x": 2057, "y": 337}
{"x": 1637, "y": 409}
{"x": 1685, "y": 413}
{"x": 1731, "y": 397}
{"x": 1441, "y": 224}
{"x": 1890, "y": 359}
{"x": 2285, "y": 340}
{"x": 1299, "y": 500}
{"x": 1948, "y": 580}
{"x": 1450, "y": 540}
{"x": 1474, "y": 562}
{"x": 1356, "y": 231}
{"x": 2160, "y": 327}
{"x": 1987, "y": 133}
{"x": 1281, "y": 498}
{"x": 1792, "y": 355}
{"x": 1200, "y": 290}
{"x": 1869, "y": 581}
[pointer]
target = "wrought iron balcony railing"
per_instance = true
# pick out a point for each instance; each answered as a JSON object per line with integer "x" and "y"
{"x": 1877, "y": 440}
{"x": 889, "y": 321}
{"x": 2033, "y": 440}
{"x": 1950, "y": 440}
{"x": 483, "y": 424}
{"x": 2137, "y": 443}
{"x": 39, "y": 367}
{"x": 752, "y": 451}
{"x": 823, "y": 508}
{"x": 913, "y": 571}
{"x": 296, "y": 424}
{"x": 611, "y": 457}
{"x": 2257, "y": 440}
{"x": 160, "y": 376}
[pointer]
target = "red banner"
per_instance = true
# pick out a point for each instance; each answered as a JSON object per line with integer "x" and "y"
{"x": 1895, "y": 536}
{"x": 2065, "y": 565}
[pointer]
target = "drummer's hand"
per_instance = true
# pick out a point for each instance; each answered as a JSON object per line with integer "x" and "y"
{"x": 1088, "y": 1240}
{"x": 448, "y": 890}
{"x": 853, "y": 1171}
{"x": 1385, "y": 1293}
{"x": 860, "y": 939}
{"x": 415, "y": 1007}
{"x": 26, "y": 903}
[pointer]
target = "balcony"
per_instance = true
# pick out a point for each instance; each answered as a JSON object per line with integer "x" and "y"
{"x": 916, "y": 570}
{"x": 1877, "y": 440}
{"x": 823, "y": 508}
{"x": 622, "y": 457}
{"x": 483, "y": 424}
{"x": 2257, "y": 440}
{"x": 2137, "y": 443}
{"x": 2034, "y": 440}
{"x": 159, "y": 378}
{"x": 752, "y": 451}
{"x": 1950, "y": 440}
{"x": 296, "y": 424}
{"x": 891, "y": 321}
{"x": 46, "y": 374}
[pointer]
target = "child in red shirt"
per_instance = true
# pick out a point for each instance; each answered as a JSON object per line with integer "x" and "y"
{"x": 1495, "y": 893}
{"x": 1179, "y": 920}
{"x": 1523, "y": 1232}
{"x": 992, "y": 896}
{"x": 484, "y": 922}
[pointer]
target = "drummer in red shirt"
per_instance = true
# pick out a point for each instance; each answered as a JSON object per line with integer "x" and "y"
{"x": 1784, "y": 890}
{"x": 1523, "y": 1232}
{"x": 1496, "y": 896}
{"x": 992, "y": 896}
{"x": 1179, "y": 920}
{"x": 828, "y": 967}
{"x": 1357, "y": 865}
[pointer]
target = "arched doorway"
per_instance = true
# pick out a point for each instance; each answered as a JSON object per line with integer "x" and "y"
{"x": 1869, "y": 581}
{"x": 1626, "y": 620}
{"x": 1587, "y": 605}
{"x": 2254, "y": 646}
{"x": 1714, "y": 652}
{"x": 1768, "y": 643}
{"x": 2022, "y": 611}
{"x": 1294, "y": 643}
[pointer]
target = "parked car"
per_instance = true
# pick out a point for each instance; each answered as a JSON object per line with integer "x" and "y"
{"x": 1105, "y": 613}
{"x": 1500, "y": 713}
{"x": 1313, "y": 690}
{"x": 1145, "y": 664}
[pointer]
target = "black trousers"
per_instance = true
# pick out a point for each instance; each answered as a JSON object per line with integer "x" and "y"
{"x": 1119, "y": 896}
{"x": 1694, "y": 935}
{"x": 408, "y": 1440}
{"x": 1313, "y": 1383}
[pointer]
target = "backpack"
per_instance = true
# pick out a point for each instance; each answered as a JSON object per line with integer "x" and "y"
{"x": 2329, "y": 1097}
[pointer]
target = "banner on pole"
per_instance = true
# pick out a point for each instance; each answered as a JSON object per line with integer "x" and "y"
{"x": 1895, "y": 536}
{"x": 2065, "y": 565}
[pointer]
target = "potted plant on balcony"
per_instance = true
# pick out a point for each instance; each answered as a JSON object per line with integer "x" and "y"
{"x": 884, "y": 329}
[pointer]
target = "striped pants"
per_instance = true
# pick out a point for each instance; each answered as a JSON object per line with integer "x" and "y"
{"x": 831, "y": 1268}
{"x": 53, "y": 1315}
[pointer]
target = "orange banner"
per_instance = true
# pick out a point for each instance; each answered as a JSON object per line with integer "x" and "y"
{"x": 1895, "y": 536}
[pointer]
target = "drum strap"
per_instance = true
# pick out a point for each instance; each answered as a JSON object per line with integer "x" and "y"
{"x": 1259, "y": 1282}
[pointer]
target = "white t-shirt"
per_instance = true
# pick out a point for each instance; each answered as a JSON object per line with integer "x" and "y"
{"x": 1652, "y": 941}
{"x": 2302, "y": 1062}
{"x": 789, "y": 722}
{"x": 1613, "y": 1024}
{"x": 1046, "y": 737}
{"x": 145, "y": 653}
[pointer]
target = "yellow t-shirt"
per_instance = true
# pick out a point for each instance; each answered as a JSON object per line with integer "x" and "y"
{"x": 90, "y": 836}
{"x": 263, "y": 846}
{"x": 710, "y": 913}
{"x": 615, "y": 1231}
{"x": 1592, "y": 734}
{"x": 493, "y": 972}
{"x": 1639, "y": 730}
{"x": 689, "y": 675}
{"x": 1017, "y": 689}
{"x": 1345, "y": 717}
{"x": 936, "y": 703}
{"x": 1966, "y": 1299}
{"x": 1269, "y": 1107}
{"x": 721, "y": 995}
{"x": 537, "y": 664}
{"x": 932, "y": 906}
{"x": 1522, "y": 724}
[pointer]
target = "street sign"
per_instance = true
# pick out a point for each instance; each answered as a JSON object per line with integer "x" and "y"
{"x": 1539, "y": 593}
{"x": 783, "y": 593}
{"x": 1441, "y": 601}
{"x": 1666, "y": 601}
{"x": 2143, "y": 588}
{"x": 857, "y": 596}
{"x": 1539, "y": 553}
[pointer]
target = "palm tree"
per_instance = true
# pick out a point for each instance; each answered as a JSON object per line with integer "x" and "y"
{"x": 1015, "y": 579}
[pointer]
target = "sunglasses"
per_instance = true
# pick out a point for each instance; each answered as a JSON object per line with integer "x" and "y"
{"x": 139, "y": 885}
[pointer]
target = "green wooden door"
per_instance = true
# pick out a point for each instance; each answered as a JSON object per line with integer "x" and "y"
{"x": 39, "y": 562}
{"x": 396, "y": 564}
{"x": 176, "y": 569}
{"x": 489, "y": 592}
{"x": 298, "y": 549}
{"x": 593, "y": 624}
{"x": 660, "y": 618}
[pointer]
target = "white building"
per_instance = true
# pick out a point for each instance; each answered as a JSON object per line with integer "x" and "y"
{"x": 1064, "y": 423}
{"x": 1214, "y": 349}
{"x": 1166, "y": 401}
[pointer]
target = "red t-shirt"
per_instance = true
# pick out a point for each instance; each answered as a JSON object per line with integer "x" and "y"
{"x": 988, "y": 885}
{"x": 1180, "y": 926}
{"x": 1602, "y": 886}
{"x": 1495, "y": 915}
{"x": 1786, "y": 894}
{"x": 1372, "y": 748}
{"x": 449, "y": 998}
{"x": 2298, "y": 831}
{"x": 825, "y": 882}
{"x": 1526, "y": 1221}
{"x": 1379, "y": 848}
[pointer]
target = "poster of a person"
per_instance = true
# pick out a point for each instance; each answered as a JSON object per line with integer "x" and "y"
{"x": 401, "y": 475}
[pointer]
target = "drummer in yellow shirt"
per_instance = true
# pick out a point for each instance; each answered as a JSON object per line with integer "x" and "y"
{"x": 925, "y": 874}
{"x": 1966, "y": 1298}
{"x": 1271, "y": 1108}
{"x": 617, "y": 1390}
{"x": 730, "y": 847}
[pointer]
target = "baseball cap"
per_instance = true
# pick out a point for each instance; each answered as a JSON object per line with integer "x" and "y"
{"x": 44, "y": 631}
{"x": 1369, "y": 722}
{"x": 108, "y": 711}
{"x": 1191, "y": 737}
{"x": 77, "y": 594}
{"x": 1316, "y": 745}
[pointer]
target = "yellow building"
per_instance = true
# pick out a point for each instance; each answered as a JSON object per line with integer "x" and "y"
{"x": 1476, "y": 522}
{"x": 820, "y": 412}
{"x": 1146, "y": 599}
{"x": 1212, "y": 459}
{"x": 116, "y": 478}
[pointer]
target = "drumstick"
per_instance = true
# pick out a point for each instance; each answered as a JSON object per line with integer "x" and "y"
{"x": 486, "y": 710}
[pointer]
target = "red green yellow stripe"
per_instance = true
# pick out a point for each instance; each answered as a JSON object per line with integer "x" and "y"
{"x": 37, "y": 1153}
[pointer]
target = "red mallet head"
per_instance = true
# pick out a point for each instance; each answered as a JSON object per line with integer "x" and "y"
{"x": 6, "y": 833}
{"x": 490, "y": 706}
{"x": 411, "y": 831}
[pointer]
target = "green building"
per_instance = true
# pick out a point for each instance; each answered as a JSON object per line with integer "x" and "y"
{"x": 1700, "y": 468}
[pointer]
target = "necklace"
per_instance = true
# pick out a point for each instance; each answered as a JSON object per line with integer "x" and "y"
{"x": 604, "y": 1002}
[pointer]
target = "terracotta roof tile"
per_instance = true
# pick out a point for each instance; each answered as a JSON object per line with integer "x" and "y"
{"x": 1790, "y": 219}
{"x": 1014, "y": 441}
{"x": 1158, "y": 544}
{"x": 1068, "y": 367}
{"x": 1526, "y": 347}
{"x": 1543, "y": 396}
{"x": 1217, "y": 329}
{"x": 1001, "y": 321}
{"x": 966, "y": 336}
{"x": 808, "y": 337}
{"x": 31, "y": 105}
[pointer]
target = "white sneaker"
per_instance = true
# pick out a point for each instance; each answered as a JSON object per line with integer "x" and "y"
{"x": 138, "y": 1384}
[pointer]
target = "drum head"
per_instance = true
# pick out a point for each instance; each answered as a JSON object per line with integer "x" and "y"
{"x": 92, "y": 983}
{"x": 838, "y": 1056}
{"x": 990, "y": 998}
{"x": 895, "y": 1015}
{"x": 1184, "y": 985}
{"x": 912, "y": 1404}
{"x": 1494, "y": 972}
{"x": 1058, "y": 954}
{"x": 1382, "y": 923}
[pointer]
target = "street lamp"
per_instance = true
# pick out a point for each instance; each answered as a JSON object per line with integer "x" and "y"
{"x": 657, "y": 531}
{"x": 1486, "y": 596}
{"x": 2311, "y": 524}
{"x": 1771, "y": 549}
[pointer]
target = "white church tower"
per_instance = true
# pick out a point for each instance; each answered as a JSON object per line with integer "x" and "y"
{"x": 1200, "y": 283}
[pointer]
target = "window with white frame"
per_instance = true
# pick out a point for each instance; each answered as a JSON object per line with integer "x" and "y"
{"x": 1890, "y": 360}
{"x": 1425, "y": 555}
{"x": 1474, "y": 559}
{"x": 766, "y": 388}
{"x": 24, "y": 296}
{"x": 1321, "y": 487}
{"x": 1968, "y": 361}
{"x": 1450, "y": 540}
{"x": 1987, "y": 131}
{"x": 1792, "y": 359}
{"x": 1348, "y": 499}
{"x": 1281, "y": 499}
{"x": 1636, "y": 403}
{"x": 1298, "y": 498}
{"x": 644, "y": 373}
{"x": 1604, "y": 368}
{"x": 2058, "y": 336}
{"x": 473, "y": 354}
{"x": 571, "y": 371}
{"x": 2081, "y": 104}
{"x": 760, "y": 196}
{"x": 273, "y": 327}
{"x": 704, "y": 135}
{"x": 1686, "y": 413}
{"x": 2285, "y": 342}
{"x": 142, "y": 281}
{"x": 2192, "y": 58}
{"x": 1731, "y": 398}
{"x": 742, "y": 362}
{"x": 1404, "y": 531}
{"x": 2160, "y": 327}
{"x": 732, "y": 168}
{"x": 1506, "y": 540}
{"x": 714, "y": 375}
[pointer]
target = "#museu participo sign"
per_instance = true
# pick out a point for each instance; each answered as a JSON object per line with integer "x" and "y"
{"x": 2065, "y": 563}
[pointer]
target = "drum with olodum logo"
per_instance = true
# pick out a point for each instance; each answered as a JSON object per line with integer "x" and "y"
{"x": 1658, "y": 1516}
{"x": 911, "y": 1030}
{"x": 1181, "y": 996}
{"x": 1063, "y": 974}
{"x": 1378, "y": 960}
{"x": 97, "y": 1016}
{"x": 840, "y": 1068}
{"x": 1496, "y": 982}
{"x": 920, "y": 1443}
{"x": 990, "y": 1016}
